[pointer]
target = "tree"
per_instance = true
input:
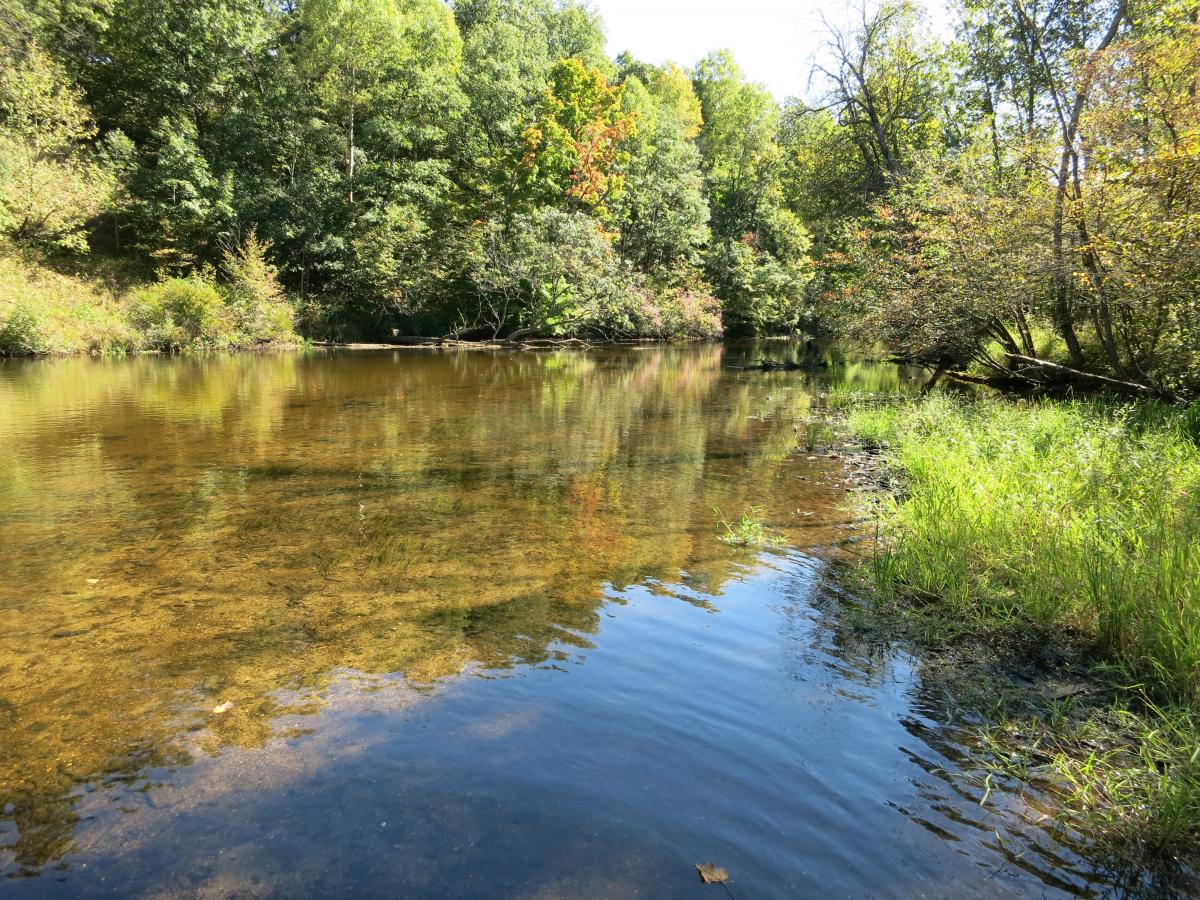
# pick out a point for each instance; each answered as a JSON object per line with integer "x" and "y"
{"x": 506, "y": 62}
{"x": 51, "y": 180}
{"x": 758, "y": 262}
{"x": 662, "y": 212}
{"x": 387, "y": 98}
{"x": 885, "y": 87}
{"x": 576, "y": 147}
{"x": 553, "y": 272}
{"x": 737, "y": 143}
{"x": 181, "y": 209}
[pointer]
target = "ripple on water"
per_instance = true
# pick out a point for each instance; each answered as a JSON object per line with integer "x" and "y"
{"x": 479, "y": 636}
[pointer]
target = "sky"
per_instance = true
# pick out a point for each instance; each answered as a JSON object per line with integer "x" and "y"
{"x": 775, "y": 41}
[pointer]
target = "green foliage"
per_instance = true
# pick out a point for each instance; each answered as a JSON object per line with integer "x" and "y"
{"x": 889, "y": 84}
{"x": 762, "y": 277}
{"x": 737, "y": 143}
{"x": 938, "y": 198}
{"x": 257, "y": 306}
{"x": 21, "y": 332}
{"x": 193, "y": 313}
{"x": 575, "y": 147}
{"x": 1010, "y": 223}
{"x": 1074, "y": 516}
{"x": 758, "y": 262}
{"x": 748, "y": 531}
{"x": 181, "y": 206}
{"x": 51, "y": 182}
{"x": 663, "y": 213}
{"x": 551, "y": 272}
{"x": 181, "y": 314}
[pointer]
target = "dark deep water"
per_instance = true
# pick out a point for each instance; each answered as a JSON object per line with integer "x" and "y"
{"x": 479, "y": 636}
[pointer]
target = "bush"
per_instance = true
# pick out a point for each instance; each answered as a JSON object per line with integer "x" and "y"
{"x": 762, "y": 278}
{"x": 555, "y": 273}
{"x": 180, "y": 313}
{"x": 258, "y": 309}
{"x": 21, "y": 332}
{"x": 677, "y": 312}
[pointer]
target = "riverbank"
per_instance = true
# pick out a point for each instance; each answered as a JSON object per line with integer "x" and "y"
{"x": 1061, "y": 543}
{"x": 104, "y": 309}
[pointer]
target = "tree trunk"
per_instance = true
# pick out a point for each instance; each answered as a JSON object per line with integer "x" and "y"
{"x": 350, "y": 158}
{"x": 1068, "y": 163}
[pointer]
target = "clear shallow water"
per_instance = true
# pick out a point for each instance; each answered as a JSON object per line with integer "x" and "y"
{"x": 478, "y": 633}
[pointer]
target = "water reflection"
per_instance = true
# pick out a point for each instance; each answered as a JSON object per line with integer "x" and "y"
{"x": 342, "y": 534}
{"x": 180, "y": 533}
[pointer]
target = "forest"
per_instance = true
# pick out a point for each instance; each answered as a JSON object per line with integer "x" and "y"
{"x": 1017, "y": 201}
{"x": 1008, "y": 581}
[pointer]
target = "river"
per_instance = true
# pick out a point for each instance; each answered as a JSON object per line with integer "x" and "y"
{"x": 417, "y": 623}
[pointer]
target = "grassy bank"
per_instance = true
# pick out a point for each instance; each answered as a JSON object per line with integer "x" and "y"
{"x": 44, "y": 310}
{"x": 1077, "y": 525}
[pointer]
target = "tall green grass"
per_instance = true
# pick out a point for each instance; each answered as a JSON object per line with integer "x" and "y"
{"x": 1083, "y": 517}
{"x": 1080, "y": 520}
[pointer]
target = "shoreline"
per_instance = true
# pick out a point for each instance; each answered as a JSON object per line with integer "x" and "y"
{"x": 1059, "y": 702}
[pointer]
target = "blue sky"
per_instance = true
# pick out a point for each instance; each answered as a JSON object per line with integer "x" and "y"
{"x": 775, "y": 41}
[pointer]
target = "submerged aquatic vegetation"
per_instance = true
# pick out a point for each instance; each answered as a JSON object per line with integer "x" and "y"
{"x": 1078, "y": 523}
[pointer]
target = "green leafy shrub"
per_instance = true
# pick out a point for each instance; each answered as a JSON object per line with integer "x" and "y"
{"x": 21, "y": 332}
{"x": 554, "y": 273}
{"x": 762, "y": 276}
{"x": 748, "y": 531}
{"x": 180, "y": 313}
{"x": 258, "y": 308}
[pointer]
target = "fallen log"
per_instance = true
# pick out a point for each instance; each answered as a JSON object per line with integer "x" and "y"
{"x": 769, "y": 366}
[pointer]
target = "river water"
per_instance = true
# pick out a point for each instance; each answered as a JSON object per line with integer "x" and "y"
{"x": 461, "y": 625}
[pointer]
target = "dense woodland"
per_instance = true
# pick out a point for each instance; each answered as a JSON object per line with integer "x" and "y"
{"x": 1021, "y": 200}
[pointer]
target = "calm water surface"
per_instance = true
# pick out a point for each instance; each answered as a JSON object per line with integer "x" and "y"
{"x": 478, "y": 633}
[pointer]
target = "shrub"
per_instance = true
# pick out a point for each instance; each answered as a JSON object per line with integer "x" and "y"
{"x": 259, "y": 311}
{"x": 180, "y": 313}
{"x": 677, "y": 312}
{"x": 762, "y": 277}
{"x": 21, "y": 332}
{"x": 556, "y": 273}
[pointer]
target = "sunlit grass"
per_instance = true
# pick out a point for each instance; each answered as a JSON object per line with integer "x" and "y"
{"x": 42, "y": 311}
{"x": 1075, "y": 520}
{"x": 1078, "y": 516}
{"x": 748, "y": 531}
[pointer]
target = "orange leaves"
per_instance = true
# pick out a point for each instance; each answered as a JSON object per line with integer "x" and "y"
{"x": 576, "y": 147}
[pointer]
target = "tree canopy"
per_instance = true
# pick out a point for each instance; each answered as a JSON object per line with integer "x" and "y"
{"x": 1018, "y": 199}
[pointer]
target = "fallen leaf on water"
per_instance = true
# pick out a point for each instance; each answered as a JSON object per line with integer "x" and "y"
{"x": 711, "y": 874}
{"x": 223, "y": 707}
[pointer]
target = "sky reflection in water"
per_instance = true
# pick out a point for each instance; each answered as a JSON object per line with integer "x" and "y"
{"x": 478, "y": 632}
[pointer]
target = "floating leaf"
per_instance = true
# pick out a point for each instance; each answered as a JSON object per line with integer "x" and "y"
{"x": 223, "y": 707}
{"x": 711, "y": 874}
